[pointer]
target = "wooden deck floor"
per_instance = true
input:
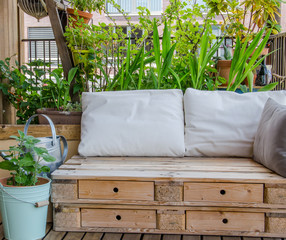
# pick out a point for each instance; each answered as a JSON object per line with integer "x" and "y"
{"x": 52, "y": 235}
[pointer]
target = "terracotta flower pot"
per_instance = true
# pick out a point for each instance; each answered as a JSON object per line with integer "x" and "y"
{"x": 84, "y": 15}
{"x": 223, "y": 68}
{"x": 59, "y": 117}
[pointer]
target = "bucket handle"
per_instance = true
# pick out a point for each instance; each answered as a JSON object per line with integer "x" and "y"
{"x": 50, "y": 122}
{"x": 36, "y": 204}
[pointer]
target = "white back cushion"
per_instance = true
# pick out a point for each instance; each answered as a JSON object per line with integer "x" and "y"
{"x": 132, "y": 123}
{"x": 224, "y": 124}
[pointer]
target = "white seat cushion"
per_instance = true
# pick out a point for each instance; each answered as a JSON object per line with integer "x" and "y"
{"x": 132, "y": 123}
{"x": 224, "y": 124}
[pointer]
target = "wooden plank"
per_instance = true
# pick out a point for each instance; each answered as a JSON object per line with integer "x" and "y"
{"x": 231, "y": 238}
{"x": 191, "y": 237}
{"x": 93, "y": 236}
{"x": 74, "y": 236}
{"x": 151, "y": 237}
{"x": 195, "y": 176}
{"x": 52, "y": 235}
{"x": 194, "y": 161}
{"x": 171, "y": 237}
{"x": 211, "y": 238}
{"x": 116, "y": 190}
{"x": 1, "y": 231}
{"x": 64, "y": 52}
{"x": 223, "y": 192}
{"x": 117, "y": 218}
{"x": 70, "y": 132}
{"x": 131, "y": 236}
{"x": 135, "y": 167}
{"x": 225, "y": 221}
{"x": 112, "y": 236}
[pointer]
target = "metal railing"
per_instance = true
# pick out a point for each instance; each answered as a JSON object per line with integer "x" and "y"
{"x": 44, "y": 49}
{"x": 277, "y": 59}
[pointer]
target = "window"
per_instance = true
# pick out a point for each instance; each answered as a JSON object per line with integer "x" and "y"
{"x": 44, "y": 46}
{"x": 130, "y": 6}
{"x": 192, "y": 2}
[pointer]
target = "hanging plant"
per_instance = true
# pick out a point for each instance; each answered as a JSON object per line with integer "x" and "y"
{"x": 34, "y": 8}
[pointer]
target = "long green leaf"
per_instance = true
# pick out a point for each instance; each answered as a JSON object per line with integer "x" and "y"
{"x": 176, "y": 76}
{"x": 156, "y": 44}
{"x": 166, "y": 42}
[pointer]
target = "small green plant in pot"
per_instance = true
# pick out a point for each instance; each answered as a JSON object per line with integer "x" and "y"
{"x": 24, "y": 197}
{"x": 81, "y": 9}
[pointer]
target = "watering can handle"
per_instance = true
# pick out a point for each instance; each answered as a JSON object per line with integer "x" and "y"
{"x": 65, "y": 145}
{"x": 50, "y": 122}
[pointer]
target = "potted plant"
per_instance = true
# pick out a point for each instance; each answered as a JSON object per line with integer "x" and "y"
{"x": 55, "y": 94}
{"x": 244, "y": 19}
{"x": 245, "y": 60}
{"x": 223, "y": 65}
{"x": 24, "y": 197}
{"x": 81, "y": 9}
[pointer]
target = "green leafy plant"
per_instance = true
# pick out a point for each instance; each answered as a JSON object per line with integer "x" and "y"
{"x": 243, "y": 19}
{"x": 163, "y": 61}
{"x": 23, "y": 161}
{"x": 56, "y": 90}
{"x": 22, "y": 86}
{"x": 87, "y": 5}
{"x": 201, "y": 65}
{"x": 246, "y": 59}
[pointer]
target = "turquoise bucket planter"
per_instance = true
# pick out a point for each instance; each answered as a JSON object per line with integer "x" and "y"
{"x": 21, "y": 219}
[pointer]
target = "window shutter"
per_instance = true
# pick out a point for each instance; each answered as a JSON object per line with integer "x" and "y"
{"x": 156, "y": 5}
{"x": 126, "y": 5}
{"x": 141, "y": 3}
{"x": 111, "y": 8}
{"x": 41, "y": 49}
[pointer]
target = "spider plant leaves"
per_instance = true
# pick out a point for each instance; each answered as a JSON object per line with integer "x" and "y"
{"x": 246, "y": 59}
{"x": 198, "y": 64}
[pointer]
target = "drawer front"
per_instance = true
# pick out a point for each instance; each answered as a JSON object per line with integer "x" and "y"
{"x": 116, "y": 190}
{"x": 224, "y": 221}
{"x": 223, "y": 192}
{"x": 118, "y": 218}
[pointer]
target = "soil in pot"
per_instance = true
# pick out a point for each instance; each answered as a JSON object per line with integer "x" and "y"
{"x": 59, "y": 117}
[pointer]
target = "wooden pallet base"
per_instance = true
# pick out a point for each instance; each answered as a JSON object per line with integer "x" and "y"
{"x": 200, "y": 196}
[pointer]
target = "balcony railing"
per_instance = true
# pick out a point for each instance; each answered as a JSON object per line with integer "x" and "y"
{"x": 46, "y": 50}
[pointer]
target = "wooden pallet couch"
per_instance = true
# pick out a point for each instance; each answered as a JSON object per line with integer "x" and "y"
{"x": 201, "y": 194}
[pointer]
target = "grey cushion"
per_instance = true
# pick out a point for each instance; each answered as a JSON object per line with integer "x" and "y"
{"x": 270, "y": 140}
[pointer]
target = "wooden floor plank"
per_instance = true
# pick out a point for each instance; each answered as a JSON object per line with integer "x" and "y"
{"x": 211, "y": 238}
{"x": 272, "y": 238}
{"x": 52, "y": 235}
{"x": 251, "y": 238}
{"x": 151, "y": 237}
{"x": 231, "y": 238}
{"x": 92, "y": 236}
{"x": 191, "y": 237}
{"x": 131, "y": 236}
{"x": 74, "y": 236}
{"x": 1, "y": 231}
{"x": 171, "y": 237}
{"x": 112, "y": 236}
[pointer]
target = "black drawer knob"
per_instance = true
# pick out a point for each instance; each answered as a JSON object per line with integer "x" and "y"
{"x": 222, "y": 192}
{"x": 115, "y": 190}
{"x": 118, "y": 217}
{"x": 225, "y": 221}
